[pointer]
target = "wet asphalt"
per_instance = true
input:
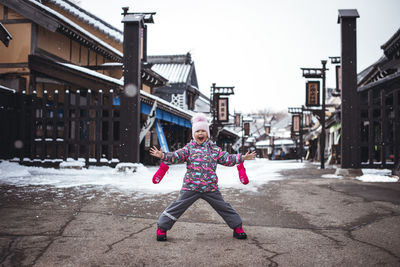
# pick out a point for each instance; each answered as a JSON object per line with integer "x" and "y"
{"x": 302, "y": 220}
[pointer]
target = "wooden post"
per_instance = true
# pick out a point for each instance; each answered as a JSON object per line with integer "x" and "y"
{"x": 396, "y": 132}
{"x": 371, "y": 134}
{"x": 323, "y": 133}
{"x": 130, "y": 97}
{"x": 350, "y": 113}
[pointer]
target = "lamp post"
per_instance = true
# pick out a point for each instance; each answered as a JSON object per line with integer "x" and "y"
{"x": 319, "y": 73}
{"x": 219, "y": 107}
{"x": 297, "y": 114}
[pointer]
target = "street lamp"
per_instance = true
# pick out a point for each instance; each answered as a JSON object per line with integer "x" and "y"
{"x": 319, "y": 73}
{"x": 297, "y": 127}
{"x": 219, "y": 106}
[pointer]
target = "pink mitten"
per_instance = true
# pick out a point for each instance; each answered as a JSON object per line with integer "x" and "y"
{"x": 160, "y": 173}
{"x": 242, "y": 174}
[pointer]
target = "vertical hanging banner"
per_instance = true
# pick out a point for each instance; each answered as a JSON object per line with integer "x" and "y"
{"x": 267, "y": 129}
{"x": 312, "y": 94}
{"x": 338, "y": 78}
{"x": 307, "y": 120}
{"x": 246, "y": 127}
{"x": 237, "y": 120}
{"x": 296, "y": 124}
{"x": 222, "y": 108}
{"x": 161, "y": 136}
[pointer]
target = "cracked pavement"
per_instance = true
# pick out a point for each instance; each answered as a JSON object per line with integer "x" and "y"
{"x": 304, "y": 220}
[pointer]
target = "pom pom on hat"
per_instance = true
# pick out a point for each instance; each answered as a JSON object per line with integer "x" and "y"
{"x": 199, "y": 122}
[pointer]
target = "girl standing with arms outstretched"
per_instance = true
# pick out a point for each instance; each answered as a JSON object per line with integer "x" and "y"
{"x": 201, "y": 156}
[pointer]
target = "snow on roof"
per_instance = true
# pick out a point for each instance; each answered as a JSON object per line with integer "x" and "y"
{"x": 121, "y": 83}
{"x": 92, "y": 72}
{"x": 7, "y": 89}
{"x": 90, "y": 19}
{"x": 175, "y": 73}
{"x": 76, "y": 26}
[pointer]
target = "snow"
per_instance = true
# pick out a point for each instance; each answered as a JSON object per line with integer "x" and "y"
{"x": 370, "y": 176}
{"x": 374, "y": 175}
{"x": 259, "y": 171}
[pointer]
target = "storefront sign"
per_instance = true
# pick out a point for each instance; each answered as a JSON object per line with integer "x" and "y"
{"x": 222, "y": 110}
{"x": 338, "y": 78}
{"x": 237, "y": 120}
{"x": 296, "y": 123}
{"x": 307, "y": 120}
{"x": 246, "y": 126}
{"x": 312, "y": 94}
{"x": 267, "y": 129}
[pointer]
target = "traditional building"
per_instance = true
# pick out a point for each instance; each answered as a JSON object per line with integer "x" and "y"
{"x": 379, "y": 92}
{"x": 182, "y": 89}
{"x": 61, "y": 81}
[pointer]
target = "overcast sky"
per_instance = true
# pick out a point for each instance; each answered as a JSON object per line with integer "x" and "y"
{"x": 258, "y": 46}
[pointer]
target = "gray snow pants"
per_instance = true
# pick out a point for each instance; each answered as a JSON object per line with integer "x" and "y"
{"x": 187, "y": 198}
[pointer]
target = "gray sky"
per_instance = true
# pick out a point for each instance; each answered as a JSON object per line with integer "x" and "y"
{"x": 258, "y": 46}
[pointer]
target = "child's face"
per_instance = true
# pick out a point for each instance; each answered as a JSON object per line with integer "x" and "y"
{"x": 200, "y": 136}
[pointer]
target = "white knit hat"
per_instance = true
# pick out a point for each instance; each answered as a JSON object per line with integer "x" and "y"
{"x": 199, "y": 122}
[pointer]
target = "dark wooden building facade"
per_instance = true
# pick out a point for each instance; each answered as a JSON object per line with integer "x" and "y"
{"x": 379, "y": 92}
{"x": 60, "y": 86}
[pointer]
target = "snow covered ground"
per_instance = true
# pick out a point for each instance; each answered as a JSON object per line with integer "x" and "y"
{"x": 260, "y": 171}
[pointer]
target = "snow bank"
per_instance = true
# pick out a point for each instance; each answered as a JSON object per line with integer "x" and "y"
{"x": 375, "y": 175}
{"x": 260, "y": 171}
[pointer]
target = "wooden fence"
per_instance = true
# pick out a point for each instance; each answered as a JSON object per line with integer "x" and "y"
{"x": 78, "y": 125}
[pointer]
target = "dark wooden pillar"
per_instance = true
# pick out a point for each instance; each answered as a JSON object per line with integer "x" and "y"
{"x": 371, "y": 134}
{"x": 350, "y": 113}
{"x": 396, "y": 126}
{"x": 130, "y": 97}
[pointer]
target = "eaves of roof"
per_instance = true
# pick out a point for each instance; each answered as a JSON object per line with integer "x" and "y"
{"x": 54, "y": 21}
{"x": 90, "y": 19}
{"x": 392, "y": 45}
{"x": 395, "y": 77}
{"x": 93, "y": 79}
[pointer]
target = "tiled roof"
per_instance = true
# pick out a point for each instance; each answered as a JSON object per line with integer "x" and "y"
{"x": 176, "y": 68}
{"x": 175, "y": 73}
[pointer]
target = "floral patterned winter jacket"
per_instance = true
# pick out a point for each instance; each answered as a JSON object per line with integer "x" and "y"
{"x": 201, "y": 163}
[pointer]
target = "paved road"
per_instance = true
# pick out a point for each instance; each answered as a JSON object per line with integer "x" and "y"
{"x": 304, "y": 220}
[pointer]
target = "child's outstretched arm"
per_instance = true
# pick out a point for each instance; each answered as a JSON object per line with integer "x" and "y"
{"x": 178, "y": 156}
{"x": 156, "y": 153}
{"x": 249, "y": 156}
{"x": 227, "y": 159}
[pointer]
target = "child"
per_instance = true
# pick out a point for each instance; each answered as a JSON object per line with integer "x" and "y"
{"x": 200, "y": 181}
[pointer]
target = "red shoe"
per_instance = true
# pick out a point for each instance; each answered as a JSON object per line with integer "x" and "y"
{"x": 239, "y": 233}
{"x": 160, "y": 173}
{"x": 242, "y": 174}
{"x": 161, "y": 235}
